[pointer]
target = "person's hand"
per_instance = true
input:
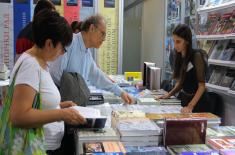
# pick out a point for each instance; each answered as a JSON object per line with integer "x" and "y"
{"x": 165, "y": 96}
{"x": 66, "y": 104}
{"x": 72, "y": 116}
{"x": 127, "y": 98}
{"x": 187, "y": 109}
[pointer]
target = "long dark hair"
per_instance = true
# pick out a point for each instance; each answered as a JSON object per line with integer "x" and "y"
{"x": 181, "y": 63}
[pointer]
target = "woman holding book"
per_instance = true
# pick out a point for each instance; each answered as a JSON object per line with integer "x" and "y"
{"x": 189, "y": 72}
{"x": 31, "y": 76}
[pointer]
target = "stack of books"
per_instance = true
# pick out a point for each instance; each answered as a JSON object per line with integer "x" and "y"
{"x": 83, "y": 136}
{"x": 139, "y": 132}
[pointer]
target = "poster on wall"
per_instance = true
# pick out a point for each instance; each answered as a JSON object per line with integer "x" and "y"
{"x": 87, "y": 9}
{"x": 22, "y": 16}
{"x": 108, "y": 52}
{"x": 59, "y": 6}
{"x": 6, "y": 33}
{"x": 71, "y": 10}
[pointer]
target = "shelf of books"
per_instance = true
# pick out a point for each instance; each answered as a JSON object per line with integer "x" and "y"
{"x": 216, "y": 33}
{"x": 216, "y": 37}
{"x": 216, "y": 5}
{"x": 222, "y": 63}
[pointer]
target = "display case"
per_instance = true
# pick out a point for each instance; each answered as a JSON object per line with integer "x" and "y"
{"x": 216, "y": 32}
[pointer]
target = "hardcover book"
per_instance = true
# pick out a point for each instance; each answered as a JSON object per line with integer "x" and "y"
{"x": 182, "y": 132}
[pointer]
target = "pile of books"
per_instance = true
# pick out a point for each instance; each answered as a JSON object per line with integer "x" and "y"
{"x": 84, "y": 136}
{"x": 139, "y": 132}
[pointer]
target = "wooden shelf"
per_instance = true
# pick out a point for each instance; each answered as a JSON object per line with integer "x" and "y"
{"x": 222, "y": 63}
{"x": 216, "y": 7}
{"x": 4, "y": 83}
{"x": 216, "y": 37}
{"x": 221, "y": 90}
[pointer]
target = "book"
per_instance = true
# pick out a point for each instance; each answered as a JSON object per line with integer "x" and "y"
{"x": 210, "y": 3}
{"x": 182, "y": 132}
{"x": 222, "y": 143}
{"x": 103, "y": 147}
{"x": 147, "y": 101}
{"x": 227, "y": 54}
{"x": 227, "y": 151}
{"x": 93, "y": 118}
{"x": 131, "y": 150}
{"x": 220, "y": 131}
{"x": 133, "y": 76}
{"x": 206, "y": 116}
{"x": 233, "y": 85}
{"x": 228, "y": 78}
{"x": 196, "y": 149}
{"x": 217, "y": 75}
{"x": 138, "y": 127}
{"x": 218, "y": 49}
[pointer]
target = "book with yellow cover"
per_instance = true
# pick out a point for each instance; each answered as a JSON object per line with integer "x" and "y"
{"x": 207, "y": 116}
{"x": 133, "y": 76}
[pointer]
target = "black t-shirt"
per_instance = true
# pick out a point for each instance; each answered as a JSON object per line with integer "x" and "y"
{"x": 195, "y": 73}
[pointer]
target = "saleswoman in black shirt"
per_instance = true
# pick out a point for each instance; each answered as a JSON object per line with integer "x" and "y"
{"x": 189, "y": 72}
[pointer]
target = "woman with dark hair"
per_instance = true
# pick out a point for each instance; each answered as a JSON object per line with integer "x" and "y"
{"x": 189, "y": 72}
{"x": 51, "y": 33}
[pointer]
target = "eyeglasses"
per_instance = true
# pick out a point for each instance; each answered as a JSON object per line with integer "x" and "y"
{"x": 103, "y": 33}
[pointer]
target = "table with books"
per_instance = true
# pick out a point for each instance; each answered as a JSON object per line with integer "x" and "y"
{"x": 153, "y": 127}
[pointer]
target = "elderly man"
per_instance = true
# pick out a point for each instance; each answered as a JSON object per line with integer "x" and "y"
{"x": 79, "y": 59}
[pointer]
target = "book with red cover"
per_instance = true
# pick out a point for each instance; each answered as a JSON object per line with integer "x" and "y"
{"x": 222, "y": 143}
{"x": 182, "y": 132}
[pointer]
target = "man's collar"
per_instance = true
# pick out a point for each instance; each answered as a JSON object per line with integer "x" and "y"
{"x": 82, "y": 44}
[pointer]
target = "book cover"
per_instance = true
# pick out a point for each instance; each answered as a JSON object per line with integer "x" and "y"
{"x": 93, "y": 147}
{"x": 146, "y": 150}
{"x": 218, "y": 49}
{"x": 71, "y": 10}
{"x": 233, "y": 85}
{"x": 220, "y": 131}
{"x": 206, "y": 116}
{"x": 182, "y": 132}
{"x": 91, "y": 123}
{"x": 103, "y": 147}
{"x": 138, "y": 127}
{"x": 227, "y": 151}
{"x": 227, "y": 54}
{"x": 200, "y": 149}
{"x": 228, "y": 78}
{"x": 222, "y": 143}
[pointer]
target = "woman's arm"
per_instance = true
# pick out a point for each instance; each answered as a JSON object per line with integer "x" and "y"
{"x": 23, "y": 115}
{"x": 176, "y": 89}
{"x": 196, "y": 98}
